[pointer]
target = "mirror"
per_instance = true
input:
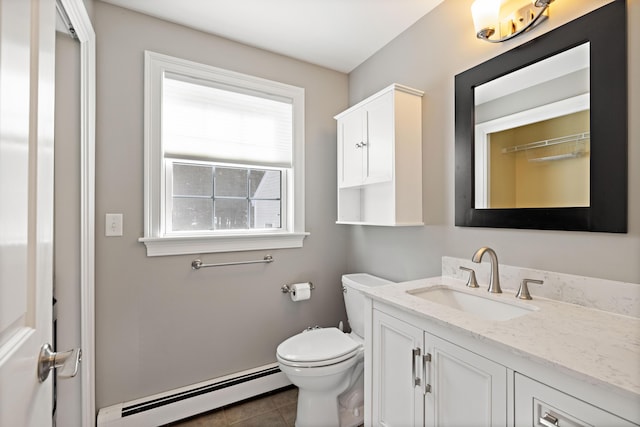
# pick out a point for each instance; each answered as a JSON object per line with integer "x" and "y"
{"x": 541, "y": 131}
{"x": 532, "y": 135}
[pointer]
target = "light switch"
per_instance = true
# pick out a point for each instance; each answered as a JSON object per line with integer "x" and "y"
{"x": 113, "y": 225}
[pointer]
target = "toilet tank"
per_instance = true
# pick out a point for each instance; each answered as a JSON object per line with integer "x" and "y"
{"x": 354, "y": 299}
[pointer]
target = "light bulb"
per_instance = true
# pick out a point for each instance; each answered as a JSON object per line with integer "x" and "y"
{"x": 485, "y": 14}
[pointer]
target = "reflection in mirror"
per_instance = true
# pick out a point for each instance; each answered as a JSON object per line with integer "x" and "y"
{"x": 532, "y": 135}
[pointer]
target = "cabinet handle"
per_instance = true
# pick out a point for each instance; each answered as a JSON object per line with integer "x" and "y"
{"x": 361, "y": 144}
{"x": 548, "y": 420}
{"x": 427, "y": 382}
{"x": 415, "y": 380}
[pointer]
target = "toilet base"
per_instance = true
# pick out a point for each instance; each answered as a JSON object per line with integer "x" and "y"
{"x": 317, "y": 410}
{"x": 345, "y": 417}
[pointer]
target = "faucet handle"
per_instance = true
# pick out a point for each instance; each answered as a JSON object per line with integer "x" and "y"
{"x": 523, "y": 291}
{"x": 472, "y": 282}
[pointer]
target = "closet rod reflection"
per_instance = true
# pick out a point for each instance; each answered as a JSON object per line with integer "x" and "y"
{"x": 197, "y": 263}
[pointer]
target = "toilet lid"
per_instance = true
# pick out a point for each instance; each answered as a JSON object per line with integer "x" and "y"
{"x": 318, "y": 345}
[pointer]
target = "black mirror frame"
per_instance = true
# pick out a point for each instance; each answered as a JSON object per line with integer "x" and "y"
{"x": 606, "y": 30}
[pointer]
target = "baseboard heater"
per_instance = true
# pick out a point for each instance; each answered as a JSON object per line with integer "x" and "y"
{"x": 185, "y": 402}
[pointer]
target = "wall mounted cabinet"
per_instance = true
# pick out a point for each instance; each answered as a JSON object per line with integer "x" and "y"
{"x": 380, "y": 159}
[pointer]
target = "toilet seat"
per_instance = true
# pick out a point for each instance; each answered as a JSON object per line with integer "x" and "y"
{"x": 317, "y": 347}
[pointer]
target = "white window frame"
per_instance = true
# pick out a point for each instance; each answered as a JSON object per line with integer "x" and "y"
{"x": 160, "y": 243}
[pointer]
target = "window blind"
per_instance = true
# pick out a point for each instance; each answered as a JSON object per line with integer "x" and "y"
{"x": 202, "y": 121}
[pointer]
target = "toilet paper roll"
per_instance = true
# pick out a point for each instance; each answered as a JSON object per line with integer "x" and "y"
{"x": 300, "y": 291}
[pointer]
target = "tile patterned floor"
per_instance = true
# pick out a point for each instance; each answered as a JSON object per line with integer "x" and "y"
{"x": 276, "y": 409}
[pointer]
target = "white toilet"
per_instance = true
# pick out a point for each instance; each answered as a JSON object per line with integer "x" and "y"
{"x": 327, "y": 365}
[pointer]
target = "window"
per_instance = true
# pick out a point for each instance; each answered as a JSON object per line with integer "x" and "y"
{"x": 224, "y": 160}
{"x": 206, "y": 197}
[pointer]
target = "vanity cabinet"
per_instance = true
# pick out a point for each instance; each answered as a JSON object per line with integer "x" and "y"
{"x": 537, "y": 404}
{"x": 380, "y": 159}
{"x": 420, "y": 379}
{"x": 420, "y": 372}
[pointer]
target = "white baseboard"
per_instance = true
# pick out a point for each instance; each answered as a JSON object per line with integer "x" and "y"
{"x": 188, "y": 401}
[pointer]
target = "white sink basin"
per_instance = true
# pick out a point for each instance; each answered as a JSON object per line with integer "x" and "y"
{"x": 469, "y": 302}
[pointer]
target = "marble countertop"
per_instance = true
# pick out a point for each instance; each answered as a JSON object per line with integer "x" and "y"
{"x": 596, "y": 346}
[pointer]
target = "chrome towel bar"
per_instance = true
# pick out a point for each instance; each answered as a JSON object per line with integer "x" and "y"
{"x": 197, "y": 264}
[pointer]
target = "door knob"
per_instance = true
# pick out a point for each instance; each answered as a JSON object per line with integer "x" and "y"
{"x": 67, "y": 360}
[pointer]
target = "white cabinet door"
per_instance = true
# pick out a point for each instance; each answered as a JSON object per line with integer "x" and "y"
{"x": 366, "y": 142}
{"x": 350, "y": 148}
{"x": 397, "y": 399}
{"x": 379, "y": 139}
{"x": 466, "y": 389}
{"x": 538, "y": 405}
{"x": 420, "y": 379}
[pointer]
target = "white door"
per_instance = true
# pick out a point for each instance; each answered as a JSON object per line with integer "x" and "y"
{"x": 466, "y": 389}
{"x": 27, "y": 43}
{"x": 380, "y": 139}
{"x": 397, "y": 397}
{"x": 350, "y": 148}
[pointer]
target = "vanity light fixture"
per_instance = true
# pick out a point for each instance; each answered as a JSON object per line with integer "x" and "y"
{"x": 488, "y": 20}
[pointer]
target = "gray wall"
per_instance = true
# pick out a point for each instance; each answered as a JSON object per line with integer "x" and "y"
{"x": 427, "y": 57}
{"x": 160, "y": 325}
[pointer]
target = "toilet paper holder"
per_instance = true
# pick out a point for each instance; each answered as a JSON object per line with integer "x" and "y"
{"x": 286, "y": 289}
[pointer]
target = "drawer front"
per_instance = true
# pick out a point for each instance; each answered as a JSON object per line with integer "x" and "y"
{"x": 539, "y": 405}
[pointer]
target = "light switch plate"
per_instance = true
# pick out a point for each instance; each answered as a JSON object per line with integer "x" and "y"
{"x": 113, "y": 225}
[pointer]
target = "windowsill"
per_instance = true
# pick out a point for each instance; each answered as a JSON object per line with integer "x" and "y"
{"x": 184, "y": 245}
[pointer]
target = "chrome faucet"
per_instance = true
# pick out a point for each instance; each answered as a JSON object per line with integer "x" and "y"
{"x": 494, "y": 278}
